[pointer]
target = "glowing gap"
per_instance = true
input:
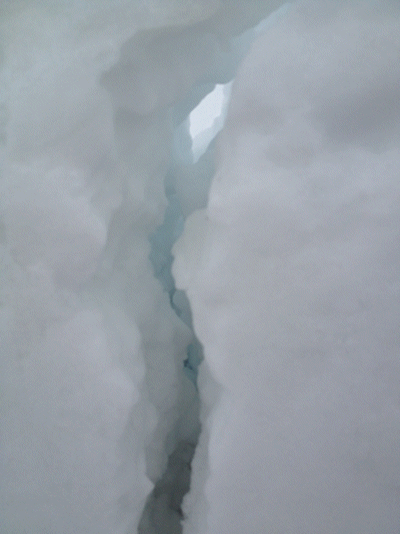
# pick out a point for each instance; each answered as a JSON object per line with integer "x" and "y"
{"x": 207, "y": 119}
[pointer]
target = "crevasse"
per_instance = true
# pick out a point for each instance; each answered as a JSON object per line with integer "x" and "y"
{"x": 283, "y": 277}
{"x": 94, "y": 394}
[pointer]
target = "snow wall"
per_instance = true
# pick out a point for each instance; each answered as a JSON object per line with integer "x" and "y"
{"x": 290, "y": 262}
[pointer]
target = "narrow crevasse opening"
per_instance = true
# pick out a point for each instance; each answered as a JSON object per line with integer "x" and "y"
{"x": 107, "y": 352}
{"x": 197, "y": 121}
{"x": 163, "y": 510}
{"x": 166, "y": 139}
{"x": 111, "y": 420}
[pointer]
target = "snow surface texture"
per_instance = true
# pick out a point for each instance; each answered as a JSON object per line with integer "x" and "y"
{"x": 94, "y": 397}
{"x": 291, "y": 270}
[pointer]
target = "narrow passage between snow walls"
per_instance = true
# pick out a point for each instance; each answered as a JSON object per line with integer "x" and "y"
{"x": 99, "y": 401}
{"x": 199, "y": 319}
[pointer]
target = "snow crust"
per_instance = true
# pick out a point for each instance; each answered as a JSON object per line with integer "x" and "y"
{"x": 287, "y": 268}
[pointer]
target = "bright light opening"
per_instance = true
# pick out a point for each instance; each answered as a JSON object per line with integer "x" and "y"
{"x": 207, "y": 119}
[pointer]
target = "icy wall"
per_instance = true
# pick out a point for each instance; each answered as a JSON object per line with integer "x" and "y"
{"x": 291, "y": 270}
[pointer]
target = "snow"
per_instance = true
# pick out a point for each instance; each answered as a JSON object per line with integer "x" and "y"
{"x": 292, "y": 273}
{"x": 227, "y": 288}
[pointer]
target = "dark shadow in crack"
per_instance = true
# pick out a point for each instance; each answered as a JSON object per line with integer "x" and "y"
{"x": 162, "y": 513}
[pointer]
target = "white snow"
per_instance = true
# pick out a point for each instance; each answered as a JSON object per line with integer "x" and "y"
{"x": 287, "y": 270}
{"x": 292, "y": 272}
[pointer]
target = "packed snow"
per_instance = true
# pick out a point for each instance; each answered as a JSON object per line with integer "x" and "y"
{"x": 200, "y": 321}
